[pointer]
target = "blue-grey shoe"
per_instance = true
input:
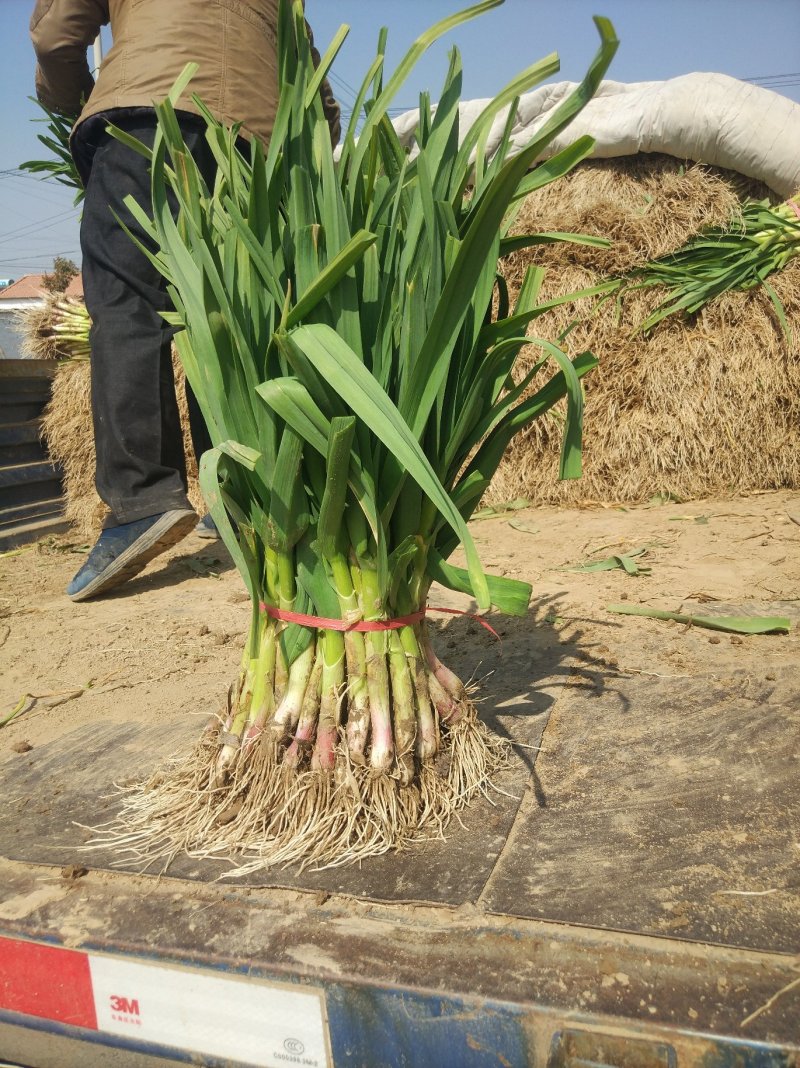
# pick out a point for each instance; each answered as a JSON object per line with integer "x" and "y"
{"x": 206, "y": 528}
{"x": 122, "y": 552}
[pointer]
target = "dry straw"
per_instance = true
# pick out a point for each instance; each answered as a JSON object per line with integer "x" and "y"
{"x": 700, "y": 408}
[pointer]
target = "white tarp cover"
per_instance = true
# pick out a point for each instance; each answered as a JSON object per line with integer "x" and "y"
{"x": 708, "y": 118}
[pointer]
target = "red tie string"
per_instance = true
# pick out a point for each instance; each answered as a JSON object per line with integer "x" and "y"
{"x": 319, "y": 623}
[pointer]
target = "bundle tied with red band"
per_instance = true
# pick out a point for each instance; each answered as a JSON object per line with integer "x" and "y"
{"x": 373, "y": 625}
{"x": 346, "y": 328}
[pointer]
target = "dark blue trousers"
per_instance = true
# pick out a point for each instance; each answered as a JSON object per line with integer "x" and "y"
{"x": 141, "y": 468}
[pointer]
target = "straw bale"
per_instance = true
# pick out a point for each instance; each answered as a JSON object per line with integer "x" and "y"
{"x": 67, "y": 428}
{"x": 38, "y": 340}
{"x": 646, "y": 205}
{"x": 702, "y": 407}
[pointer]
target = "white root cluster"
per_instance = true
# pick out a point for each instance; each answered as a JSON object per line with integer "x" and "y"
{"x": 323, "y": 764}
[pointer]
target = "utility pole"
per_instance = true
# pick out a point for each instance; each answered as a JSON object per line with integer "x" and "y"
{"x": 98, "y": 53}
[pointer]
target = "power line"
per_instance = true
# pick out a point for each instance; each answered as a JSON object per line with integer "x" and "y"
{"x": 777, "y": 85}
{"x": 766, "y": 77}
{"x": 52, "y": 220}
{"x": 16, "y": 173}
{"x": 36, "y": 258}
{"x": 31, "y": 266}
{"x": 24, "y": 191}
{"x": 19, "y": 172}
{"x": 346, "y": 86}
{"x": 776, "y": 81}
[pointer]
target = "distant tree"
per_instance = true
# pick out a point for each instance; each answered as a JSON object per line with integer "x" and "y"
{"x": 63, "y": 272}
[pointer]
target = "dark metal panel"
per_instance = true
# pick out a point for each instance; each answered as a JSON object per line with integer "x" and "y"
{"x": 24, "y": 514}
{"x": 400, "y": 1029}
{"x": 664, "y": 801}
{"x": 27, "y": 370}
{"x": 30, "y": 486}
{"x": 23, "y": 433}
{"x": 27, "y": 474}
{"x": 18, "y": 408}
{"x": 23, "y": 492}
{"x": 23, "y": 452}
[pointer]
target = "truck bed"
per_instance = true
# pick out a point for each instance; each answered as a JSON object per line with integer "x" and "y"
{"x": 628, "y": 894}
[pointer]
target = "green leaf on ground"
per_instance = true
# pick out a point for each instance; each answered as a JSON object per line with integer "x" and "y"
{"x": 624, "y": 561}
{"x": 516, "y": 525}
{"x": 208, "y": 566}
{"x": 728, "y": 624}
{"x": 493, "y": 510}
{"x": 25, "y": 702}
{"x": 664, "y": 498}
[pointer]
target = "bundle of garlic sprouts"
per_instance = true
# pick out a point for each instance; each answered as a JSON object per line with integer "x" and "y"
{"x": 338, "y": 330}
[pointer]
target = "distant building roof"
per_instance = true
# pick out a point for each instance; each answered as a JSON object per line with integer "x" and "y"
{"x": 29, "y": 287}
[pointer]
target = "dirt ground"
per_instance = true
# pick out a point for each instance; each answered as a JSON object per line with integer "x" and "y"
{"x": 168, "y": 643}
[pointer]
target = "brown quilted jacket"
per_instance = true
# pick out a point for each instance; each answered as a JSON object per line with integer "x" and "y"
{"x": 233, "y": 41}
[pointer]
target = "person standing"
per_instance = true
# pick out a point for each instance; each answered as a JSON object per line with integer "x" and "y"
{"x": 141, "y": 467}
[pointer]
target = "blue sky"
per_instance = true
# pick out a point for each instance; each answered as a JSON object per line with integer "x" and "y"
{"x": 751, "y": 39}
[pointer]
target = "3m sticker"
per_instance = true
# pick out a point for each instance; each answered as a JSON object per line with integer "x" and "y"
{"x": 263, "y": 1024}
